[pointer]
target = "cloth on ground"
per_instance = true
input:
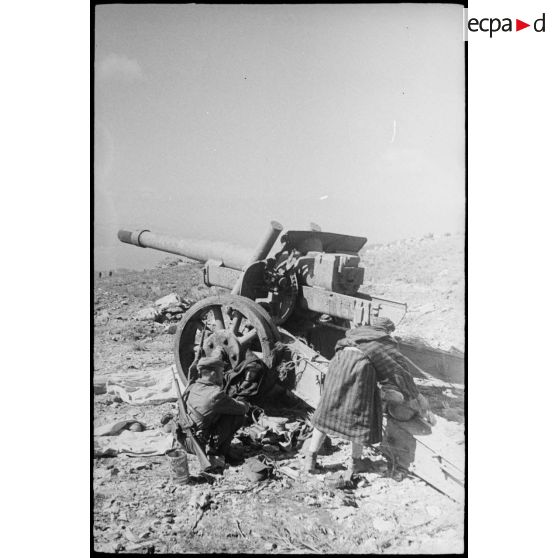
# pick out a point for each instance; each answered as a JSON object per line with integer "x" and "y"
{"x": 115, "y": 428}
{"x": 149, "y": 387}
{"x": 133, "y": 444}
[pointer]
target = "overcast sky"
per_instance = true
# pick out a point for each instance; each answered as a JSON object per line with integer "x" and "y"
{"x": 212, "y": 120}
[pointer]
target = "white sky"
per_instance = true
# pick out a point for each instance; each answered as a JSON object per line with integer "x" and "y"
{"x": 212, "y": 120}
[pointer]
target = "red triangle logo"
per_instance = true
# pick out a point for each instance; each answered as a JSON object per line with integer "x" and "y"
{"x": 519, "y": 25}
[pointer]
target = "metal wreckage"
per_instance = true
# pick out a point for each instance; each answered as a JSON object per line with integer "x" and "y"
{"x": 290, "y": 309}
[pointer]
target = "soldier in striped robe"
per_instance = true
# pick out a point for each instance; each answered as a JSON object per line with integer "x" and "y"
{"x": 351, "y": 404}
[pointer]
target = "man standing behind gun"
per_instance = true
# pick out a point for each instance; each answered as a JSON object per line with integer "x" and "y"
{"x": 216, "y": 416}
{"x": 351, "y": 405}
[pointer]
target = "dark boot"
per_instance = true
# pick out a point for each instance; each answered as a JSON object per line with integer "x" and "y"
{"x": 234, "y": 455}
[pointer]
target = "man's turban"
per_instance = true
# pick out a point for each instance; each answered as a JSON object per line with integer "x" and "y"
{"x": 384, "y": 323}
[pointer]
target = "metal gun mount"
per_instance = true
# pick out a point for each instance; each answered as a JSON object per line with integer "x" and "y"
{"x": 309, "y": 287}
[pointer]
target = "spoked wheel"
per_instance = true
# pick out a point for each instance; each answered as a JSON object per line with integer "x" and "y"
{"x": 229, "y": 324}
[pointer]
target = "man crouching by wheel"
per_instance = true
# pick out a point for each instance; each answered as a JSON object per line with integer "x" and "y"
{"x": 216, "y": 415}
{"x": 351, "y": 404}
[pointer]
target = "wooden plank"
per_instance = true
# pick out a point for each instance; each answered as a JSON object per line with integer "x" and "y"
{"x": 434, "y": 453}
{"x": 310, "y": 369}
{"x": 444, "y": 365}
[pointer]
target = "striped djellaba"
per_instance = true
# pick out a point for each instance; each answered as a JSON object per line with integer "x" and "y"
{"x": 350, "y": 406}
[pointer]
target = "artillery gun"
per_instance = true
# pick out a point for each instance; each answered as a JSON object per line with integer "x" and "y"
{"x": 303, "y": 297}
{"x": 309, "y": 290}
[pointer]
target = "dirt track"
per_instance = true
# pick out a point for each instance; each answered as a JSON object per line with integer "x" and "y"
{"x": 138, "y": 508}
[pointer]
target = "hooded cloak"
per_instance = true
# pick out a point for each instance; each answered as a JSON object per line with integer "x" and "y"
{"x": 350, "y": 405}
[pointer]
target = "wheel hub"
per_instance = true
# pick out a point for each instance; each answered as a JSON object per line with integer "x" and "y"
{"x": 224, "y": 341}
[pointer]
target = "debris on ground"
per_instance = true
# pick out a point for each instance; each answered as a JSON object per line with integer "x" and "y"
{"x": 148, "y": 387}
{"x": 169, "y": 308}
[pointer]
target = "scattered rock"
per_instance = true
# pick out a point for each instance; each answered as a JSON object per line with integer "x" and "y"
{"x": 383, "y": 525}
{"x": 166, "y": 302}
{"x": 131, "y": 536}
{"x": 150, "y": 548}
{"x": 104, "y": 474}
{"x": 99, "y": 386}
{"x": 343, "y": 513}
{"x": 146, "y": 314}
{"x": 174, "y": 310}
{"x": 101, "y": 318}
{"x": 369, "y": 546}
{"x": 367, "y": 492}
{"x": 140, "y": 465}
{"x": 200, "y": 500}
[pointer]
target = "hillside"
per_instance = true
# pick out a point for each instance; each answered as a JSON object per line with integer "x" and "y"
{"x": 428, "y": 274}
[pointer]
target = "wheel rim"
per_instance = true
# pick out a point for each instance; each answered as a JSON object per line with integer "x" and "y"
{"x": 232, "y": 324}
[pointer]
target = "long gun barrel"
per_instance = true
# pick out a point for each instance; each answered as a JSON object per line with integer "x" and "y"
{"x": 232, "y": 256}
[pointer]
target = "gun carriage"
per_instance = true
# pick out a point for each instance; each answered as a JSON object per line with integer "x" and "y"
{"x": 308, "y": 289}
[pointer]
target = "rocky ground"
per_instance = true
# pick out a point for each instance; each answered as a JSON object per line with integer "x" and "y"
{"x": 138, "y": 507}
{"x": 428, "y": 274}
